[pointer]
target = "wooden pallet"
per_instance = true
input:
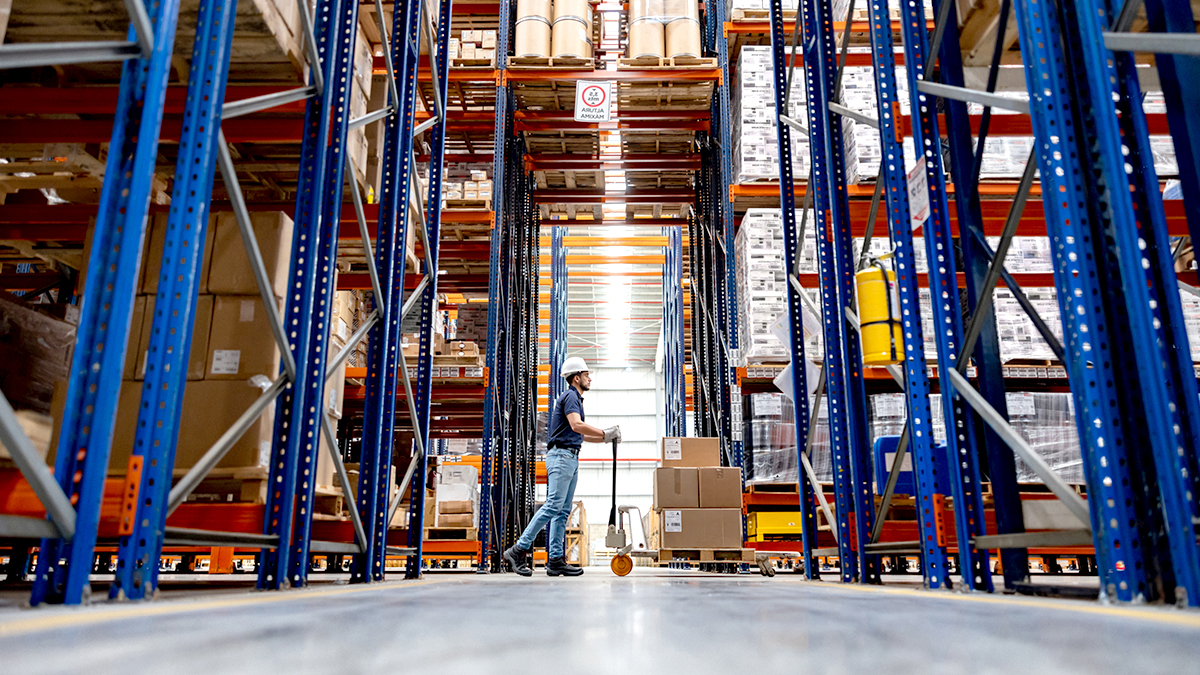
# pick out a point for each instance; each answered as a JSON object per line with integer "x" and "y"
{"x": 451, "y": 534}
{"x": 667, "y": 63}
{"x": 773, "y": 488}
{"x": 539, "y": 62}
{"x": 473, "y": 63}
{"x": 469, "y": 204}
{"x": 734, "y": 555}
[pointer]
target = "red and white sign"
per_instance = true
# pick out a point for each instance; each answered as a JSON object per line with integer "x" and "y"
{"x": 593, "y": 101}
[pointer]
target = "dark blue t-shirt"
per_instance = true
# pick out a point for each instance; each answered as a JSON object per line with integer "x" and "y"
{"x": 561, "y": 434}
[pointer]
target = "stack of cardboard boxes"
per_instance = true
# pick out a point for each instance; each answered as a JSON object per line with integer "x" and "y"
{"x": 457, "y": 496}
{"x": 474, "y": 45}
{"x": 233, "y": 352}
{"x": 475, "y": 187}
{"x": 697, "y": 502}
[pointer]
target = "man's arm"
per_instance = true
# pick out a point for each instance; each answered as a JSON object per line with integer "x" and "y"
{"x": 590, "y": 433}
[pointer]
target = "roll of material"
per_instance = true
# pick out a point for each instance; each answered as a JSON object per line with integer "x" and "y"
{"x": 683, "y": 38}
{"x": 532, "y": 37}
{"x": 579, "y": 9}
{"x": 646, "y": 38}
{"x": 645, "y": 9}
{"x": 526, "y": 8}
{"x": 572, "y": 38}
{"x": 681, "y": 9}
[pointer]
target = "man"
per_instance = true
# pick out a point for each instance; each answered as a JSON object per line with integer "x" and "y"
{"x": 565, "y": 434}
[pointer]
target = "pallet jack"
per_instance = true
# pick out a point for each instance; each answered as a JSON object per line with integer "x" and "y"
{"x": 627, "y": 550}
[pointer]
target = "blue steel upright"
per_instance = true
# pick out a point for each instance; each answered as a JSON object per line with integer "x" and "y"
{"x": 90, "y": 410}
{"x": 423, "y": 389}
{"x": 175, "y": 303}
{"x": 288, "y": 512}
{"x": 1131, "y": 211}
{"x": 558, "y": 313}
{"x": 1122, "y": 551}
{"x": 781, "y": 58}
{"x": 974, "y": 565}
{"x": 492, "y": 406}
{"x": 848, "y": 431}
{"x": 379, "y": 405}
{"x": 675, "y": 392}
{"x": 916, "y": 379}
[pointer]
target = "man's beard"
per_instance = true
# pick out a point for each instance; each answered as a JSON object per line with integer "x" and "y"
{"x": 585, "y": 387}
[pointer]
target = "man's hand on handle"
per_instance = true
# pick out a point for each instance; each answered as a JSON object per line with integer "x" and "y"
{"x": 612, "y": 433}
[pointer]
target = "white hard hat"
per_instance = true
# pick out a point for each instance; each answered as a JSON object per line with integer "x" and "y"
{"x": 573, "y": 365}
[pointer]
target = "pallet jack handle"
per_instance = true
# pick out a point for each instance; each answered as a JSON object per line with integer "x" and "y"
{"x": 612, "y": 515}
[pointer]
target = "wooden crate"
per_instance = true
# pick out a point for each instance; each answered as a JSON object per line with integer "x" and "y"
{"x": 733, "y": 555}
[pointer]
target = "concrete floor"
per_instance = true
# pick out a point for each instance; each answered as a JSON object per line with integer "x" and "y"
{"x": 657, "y": 621}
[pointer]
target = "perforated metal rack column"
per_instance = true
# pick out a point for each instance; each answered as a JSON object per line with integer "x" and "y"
{"x": 848, "y": 432}
{"x": 90, "y": 410}
{"x": 558, "y": 313}
{"x": 493, "y": 407}
{"x": 383, "y": 361}
{"x": 149, "y": 477}
{"x": 672, "y": 334}
{"x": 947, "y": 314}
{"x": 916, "y": 380}
{"x": 288, "y": 513}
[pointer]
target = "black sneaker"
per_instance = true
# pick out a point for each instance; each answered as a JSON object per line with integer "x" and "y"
{"x": 515, "y": 558}
{"x": 558, "y": 567}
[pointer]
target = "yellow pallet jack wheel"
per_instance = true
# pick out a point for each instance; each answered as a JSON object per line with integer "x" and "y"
{"x": 622, "y": 565}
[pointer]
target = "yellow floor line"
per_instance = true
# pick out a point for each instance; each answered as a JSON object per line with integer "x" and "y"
{"x": 1188, "y": 618}
{"x": 62, "y": 618}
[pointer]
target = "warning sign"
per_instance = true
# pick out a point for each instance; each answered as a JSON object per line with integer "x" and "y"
{"x": 593, "y": 102}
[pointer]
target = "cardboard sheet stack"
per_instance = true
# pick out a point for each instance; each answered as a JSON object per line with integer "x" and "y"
{"x": 756, "y": 149}
{"x": 457, "y": 495}
{"x": 697, "y": 502}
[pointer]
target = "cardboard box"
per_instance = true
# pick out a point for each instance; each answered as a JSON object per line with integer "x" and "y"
{"x": 155, "y": 243}
{"x": 468, "y": 50}
{"x": 676, "y": 488}
{"x": 693, "y": 452}
{"x": 273, "y": 230}
{"x": 456, "y": 520}
{"x": 456, "y": 492}
{"x": 458, "y": 474}
{"x": 488, "y": 39}
{"x": 240, "y": 343}
{"x": 210, "y": 407}
{"x": 201, "y": 325}
{"x": 700, "y": 528}
{"x": 720, "y": 487}
{"x": 456, "y": 506}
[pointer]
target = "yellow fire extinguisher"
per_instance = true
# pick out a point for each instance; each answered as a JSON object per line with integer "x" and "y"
{"x": 879, "y": 316}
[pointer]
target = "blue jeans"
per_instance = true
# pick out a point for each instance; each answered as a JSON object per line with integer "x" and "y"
{"x": 562, "y": 472}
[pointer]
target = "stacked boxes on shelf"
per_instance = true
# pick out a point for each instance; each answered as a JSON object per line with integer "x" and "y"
{"x": 465, "y": 187}
{"x": 471, "y": 324}
{"x": 457, "y": 496}
{"x": 1045, "y": 420}
{"x": 756, "y": 148}
{"x": 473, "y": 48}
{"x": 697, "y": 502}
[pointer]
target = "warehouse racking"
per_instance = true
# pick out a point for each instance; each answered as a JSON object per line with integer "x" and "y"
{"x": 1133, "y": 386}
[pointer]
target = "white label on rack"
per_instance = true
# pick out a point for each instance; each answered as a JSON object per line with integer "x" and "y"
{"x": 226, "y": 361}
{"x": 918, "y": 193}
{"x": 672, "y": 449}
{"x": 672, "y": 521}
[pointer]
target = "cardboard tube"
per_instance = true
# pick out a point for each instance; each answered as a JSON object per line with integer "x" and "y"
{"x": 533, "y": 8}
{"x": 532, "y": 37}
{"x": 645, "y": 9}
{"x": 676, "y": 9}
{"x": 646, "y": 38}
{"x": 683, "y": 38}
{"x": 571, "y": 38}
{"x": 576, "y": 8}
